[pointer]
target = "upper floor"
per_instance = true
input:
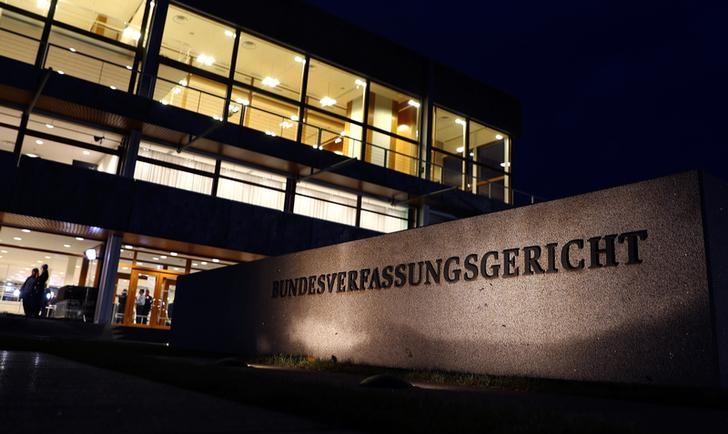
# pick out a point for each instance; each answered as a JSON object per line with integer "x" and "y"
{"x": 301, "y": 75}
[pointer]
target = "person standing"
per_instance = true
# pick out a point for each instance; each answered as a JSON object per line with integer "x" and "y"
{"x": 26, "y": 290}
{"x": 121, "y": 307}
{"x": 139, "y": 306}
{"x": 39, "y": 291}
{"x": 147, "y": 306}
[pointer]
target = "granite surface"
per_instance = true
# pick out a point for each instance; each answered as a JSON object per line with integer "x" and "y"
{"x": 643, "y": 322}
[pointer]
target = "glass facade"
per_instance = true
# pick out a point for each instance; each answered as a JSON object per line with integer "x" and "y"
{"x": 212, "y": 68}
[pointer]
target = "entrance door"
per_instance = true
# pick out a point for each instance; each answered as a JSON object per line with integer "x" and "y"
{"x": 151, "y": 311}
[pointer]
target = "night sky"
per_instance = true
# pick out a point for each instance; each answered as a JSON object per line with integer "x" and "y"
{"x": 612, "y": 91}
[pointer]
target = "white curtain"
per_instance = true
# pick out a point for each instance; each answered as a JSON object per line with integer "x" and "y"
{"x": 313, "y": 206}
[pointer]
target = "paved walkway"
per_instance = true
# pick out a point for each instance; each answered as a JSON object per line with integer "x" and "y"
{"x": 41, "y": 393}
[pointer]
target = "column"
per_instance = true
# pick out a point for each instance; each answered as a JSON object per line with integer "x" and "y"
{"x": 150, "y": 63}
{"x": 107, "y": 282}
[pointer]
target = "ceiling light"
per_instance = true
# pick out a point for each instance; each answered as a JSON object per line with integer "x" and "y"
{"x": 113, "y": 87}
{"x": 48, "y": 257}
{"x": 285, "y": 124}
{"x": 270, "y": 133}
{"x": 243, "y": 101}
{"x": 124, "y": 268}
{"x": 32, "y": 155}
{"x": 164, "y": 102}
{"x": 3, "y": 251}
{"x": 203, "y": 263}
{"x": 327, "y": 101}
{"x": 42, "y": 4}
{"x": 176, "y": 90}
{"x": 460, "y": 149}
{"x": 499, "y": 137}
{"x": 183, "y": 82}
{"x": 229, "y": 33}
{"x": 234, "y": 108}
{"x": 194, "y": 264}
{"x": 90, "y": 254}
{"x": 460, "y": 121}
{"x": 205, "y": 59}
{"x": 360, "y": 83}
{"x": 270, "y": 82}
{"x": 129, "y": 247}
{"x": 86, "y": 153}
{"x": 337, "y": 140}
{"x": 472, "y": 154}
{"x": 217, "y": 118}
{"x": 343, "y": 133}
{"x": 128, "y": 67}
{"x": 72, "y": 50}
{"x": 40, "y": 262}
{"x": 79, "y": 239}
{"x": 294, "y": 118}
{"x": 50, "y": 126}
{"x": 159, "y": 267}
{"x": 131, "y": 33}
{"x": 155, "y": 258}
{"x": 173, "y": 253}
{"x": 39, "y": 142}
{"x": 175, "y": 268}
{"x": 163, "y": 257}
{"x": 60, "y": 72}
{"x": 215, "y": 260}
{"x": 413, "y": 103}
{"x": 338, "y": 153}
{"x": 66, "y": 245}
{"x": 17, "y": 239}
{"x": 27, "y": 231}
{"x": 403, "y": 127}
{"x": 299, "y": 59}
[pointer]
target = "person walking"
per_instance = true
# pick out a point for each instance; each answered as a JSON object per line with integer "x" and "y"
{"x": 26, "y": 290}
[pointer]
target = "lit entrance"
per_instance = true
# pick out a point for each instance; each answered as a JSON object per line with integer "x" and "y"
{"x": 150, "y": 299}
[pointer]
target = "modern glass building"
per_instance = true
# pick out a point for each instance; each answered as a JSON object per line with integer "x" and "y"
{"x": 173, "y": 137}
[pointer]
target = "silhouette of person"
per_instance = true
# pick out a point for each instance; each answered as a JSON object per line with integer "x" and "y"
{"x": 38, "y": 292}
{"x": 140, "y": 306}
{"x": 121, "y": 308}
{"x": 26, "y": 292}
{"x": 147, "y": 306}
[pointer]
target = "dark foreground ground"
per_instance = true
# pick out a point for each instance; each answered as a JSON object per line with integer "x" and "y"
{"x": 68, "y": 377}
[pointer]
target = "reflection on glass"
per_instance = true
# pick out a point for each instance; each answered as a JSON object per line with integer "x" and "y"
{"x": 336, "y": 91}
{"x": 448, "y": 135}
{"x": 19, "y": 36}
{"x": 194, "y": 40}
{"x": 268, "y": 66}
{"x": 113, "y": 19}
{"x": 190, "y": 92}
{"x": 489, "y": 148}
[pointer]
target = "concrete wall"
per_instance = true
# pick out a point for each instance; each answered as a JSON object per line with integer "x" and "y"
{"x": 647, "y": 319}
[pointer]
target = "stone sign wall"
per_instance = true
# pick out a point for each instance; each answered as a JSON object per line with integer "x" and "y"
{"x": 607, "y": 286}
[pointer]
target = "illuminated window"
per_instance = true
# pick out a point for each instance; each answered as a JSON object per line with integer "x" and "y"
{"x": 166, "y": 166}
{"x": 325, "y": 203}
{"x": 448, "y": 135}
{"x": 490, "y": 150}
{"x": 331, "y": 134}
{"x": 333, "y": 90}
{"x": 190, "y": 92}
{"x": 263, "y": 113}
{"x": 251, "y": 186}
{"x": 382, "y": 216}
{"x": 19, "y": 36}
{"x": 113, "y": 19}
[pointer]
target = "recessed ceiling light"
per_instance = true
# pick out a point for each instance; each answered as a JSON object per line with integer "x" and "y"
{"x": 205, "y": 59}
{"x": 131, "y": 33}
{"x": 129, "y": 67}
{"x": 140, "y": 263}
{"x": 155, "y": 258}
{"x": 60, "y": 72}
{"x": 32, "y": 155}
{"x": 499, "y": 137}
{"x": 460, "y": 149}
{"x": 17, "y": 239}
{"x": 39, "y": 142}
{"x": 42, "y": 4}
{"x": 413, "y": 103}
{"x": 460, "y": 121}
{"x": 128, "y": 247}
{"x": 270, "y": 82}
{"x": 294, "y": 118}
{"x": 40, "y": 262}
{"x": 327, "y": 101}
{"x": 72, "y": 50}
{"x": 194, "y": 264}
{"x": 113, "y": 87}
{"x": 299, "y": 59}
{"x": 243, "y": 101}
{"x": 203, "y": 263}
{"x": 3, "y": 251}
{"x": 27, "y": 231}
{"x": 229, "y": 33}
{"x": 51, "y": 126}
{"x": 180, "y": 19}
{"x": 86, "y": 153}
{"x": 163, "y": 257}
{"x": 124, "y": 268}
{"x": 66, "y": 245}
{"x": 79, "y": 239}
{"x": 175, "y": 268}
{"x": 48, "y": 257}
{"x": 173, "y": 253}
{"x": 215, "y": 260}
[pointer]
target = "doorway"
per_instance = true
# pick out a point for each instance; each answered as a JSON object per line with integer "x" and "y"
{"x": 150, "y": 299}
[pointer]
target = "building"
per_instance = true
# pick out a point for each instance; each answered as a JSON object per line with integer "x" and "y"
{"x": 142, "y": 140}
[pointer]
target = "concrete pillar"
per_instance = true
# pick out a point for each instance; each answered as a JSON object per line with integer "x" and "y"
{"x": 107, "y": 282}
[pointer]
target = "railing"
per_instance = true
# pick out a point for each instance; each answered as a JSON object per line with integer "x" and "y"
{"x": 189, "y": 98}
{"x": 68, "y": 60}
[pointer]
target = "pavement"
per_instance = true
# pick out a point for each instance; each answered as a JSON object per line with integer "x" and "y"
{"x": 58, "y": 376}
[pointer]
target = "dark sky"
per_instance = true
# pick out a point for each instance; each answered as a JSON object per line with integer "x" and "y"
{"x": 612, "y": 91}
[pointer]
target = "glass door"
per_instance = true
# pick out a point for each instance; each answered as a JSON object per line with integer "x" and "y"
{"x": 149, "y": 299}
{"x": 165, "y": 302}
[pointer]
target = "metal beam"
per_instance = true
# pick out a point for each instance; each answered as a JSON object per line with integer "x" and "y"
{"x": 205, "y": 133}
{"x": 338, "y": 165}
{"x": 424, "y": 196}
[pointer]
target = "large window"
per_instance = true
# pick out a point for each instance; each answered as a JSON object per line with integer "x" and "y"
{"x": 336, "y": 91}
{"x": 448, "y": 148}
{"x": 9, "y": 122}
{"x": 268, "y": 66}
{"x": 73, "y": 144}
{"x": 166, "y": 166}
{"x": 194, "y": 40}
{"x": 490, "y": 151}
{"x": 263, "y": 113}
{"x": 19, "y": 36}
{"x": 113, "y": 19}
{"x": 190, "y": 92}
{"x": 325, "y": 203}
{"x": 382, "y": 216}
{"x": 38, "y": 7}
{"x": 251, "y": 186}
